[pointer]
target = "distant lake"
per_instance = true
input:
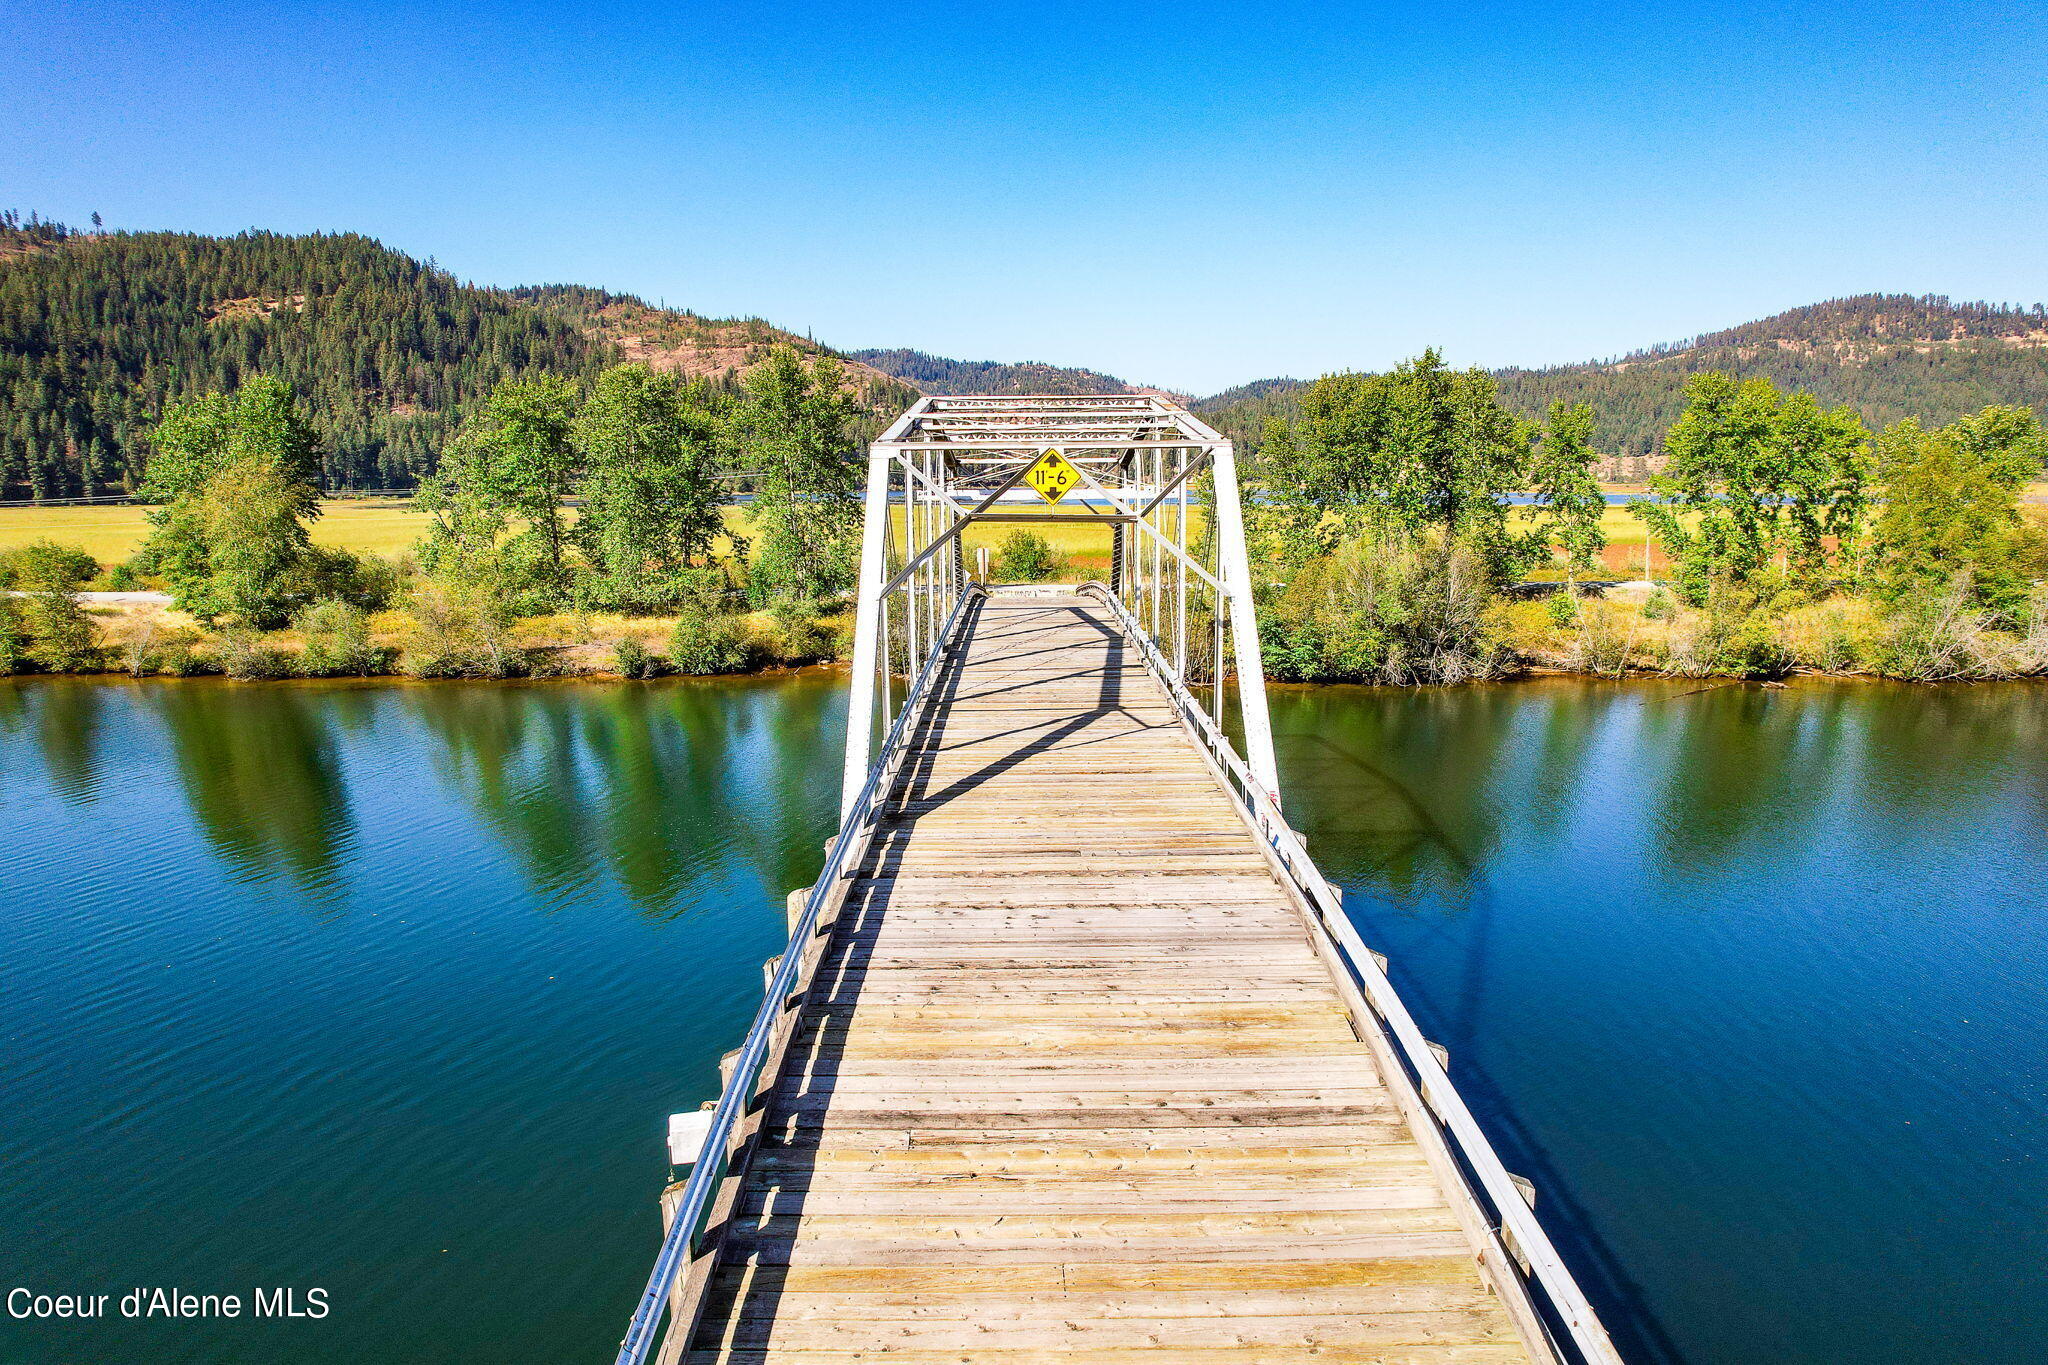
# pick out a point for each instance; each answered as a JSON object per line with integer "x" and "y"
{"x": 388, "y": 989}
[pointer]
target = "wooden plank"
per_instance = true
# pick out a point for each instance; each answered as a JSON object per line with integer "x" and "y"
{"x": 767, "y": 1291}
{"x": 900, "y": 1245}
{"x": 1080, "y": 1282}
{"x": 1080, "y": 1166}
{"x": 1076, "y": 1354}
{"x": 1445, "y": 1354}
{"x": 1443, "y": 1324}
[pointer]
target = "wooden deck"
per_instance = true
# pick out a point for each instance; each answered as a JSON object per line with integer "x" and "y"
{"x": 1071, "y": 1082}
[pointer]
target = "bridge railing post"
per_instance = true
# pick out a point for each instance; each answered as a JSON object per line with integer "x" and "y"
{"x": 1236, "y": 576}
{"x": 870, "y": 651}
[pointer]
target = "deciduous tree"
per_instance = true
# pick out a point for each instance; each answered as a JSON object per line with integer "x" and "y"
{"x": 237, "y": 479}
{"x": 794, "y": 431}
{"x": 497, "y": 497}
{"x": 1950, "y": 508}
{"x": 1757, "y": 476}
{"x": 47, "y": 625}
{"x": 1421, "y": 448}
{"x": 650, "y": 447}
{"x": 1570, "y": 507}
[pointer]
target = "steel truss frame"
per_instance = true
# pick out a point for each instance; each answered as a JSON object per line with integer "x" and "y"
{"x": 949, "y": 462}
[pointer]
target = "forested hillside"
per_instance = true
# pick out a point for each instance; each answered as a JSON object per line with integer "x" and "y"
{"x": 716, "y": 350}
{"x": 1241, "y": 412}
{"x": 935, "y": 374}
{"x": 99, "y": 331}
{"x": 1886, "y": 355}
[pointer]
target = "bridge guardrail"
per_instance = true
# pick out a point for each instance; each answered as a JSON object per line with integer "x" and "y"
{"x": 1524, "y": 1249}
{"x": 684, "y": 1238}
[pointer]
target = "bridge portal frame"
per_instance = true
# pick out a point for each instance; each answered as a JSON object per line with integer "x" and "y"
{"x": 950, "y": 462}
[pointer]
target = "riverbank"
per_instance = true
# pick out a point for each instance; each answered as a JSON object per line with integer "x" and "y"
{"x": 139, "y": 635}
{"x": 1634, "y": 631}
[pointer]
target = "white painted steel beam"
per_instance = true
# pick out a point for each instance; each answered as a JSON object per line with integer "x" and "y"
{"x": 1244, "y": 624}
{"x": 867, "y": 626}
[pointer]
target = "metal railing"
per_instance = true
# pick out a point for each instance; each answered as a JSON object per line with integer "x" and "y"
{"x": 1532, "y": 1257}
{"x": 684, "y": 1238}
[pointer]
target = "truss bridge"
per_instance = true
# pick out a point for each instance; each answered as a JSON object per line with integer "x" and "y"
{"x": 1073, "y": 1055}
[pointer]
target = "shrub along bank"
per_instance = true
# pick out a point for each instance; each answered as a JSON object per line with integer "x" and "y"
{"x": 1418, "y": 620}
{"x": 437, "y": 635}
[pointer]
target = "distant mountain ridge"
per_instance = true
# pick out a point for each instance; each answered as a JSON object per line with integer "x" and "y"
{"x": 681, "y": 341}
{"x": 936, "y": 374}
{"x": 1860, "y": 327}
{"x": 1888, "y": 356}
{"x": 1246, "y": 393}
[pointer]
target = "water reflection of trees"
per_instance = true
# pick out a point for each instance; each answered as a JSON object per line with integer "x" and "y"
{"x": 657, "y": 786}
{"x": 1412, "y": 793}
{"x": 66, "y": 717}
{"x": 1360, "y": 769}
{"x": 1532, "y": 837}
{"x": 1746, "y": 776}
{"x": 261, "y": 771}
{"x": 1958, "y": 753}
{"x": 258, "y": 766}
{"x": 1409, "y": 794}
{"x": 667, "y": 788}
{"x": 511, "y": 753}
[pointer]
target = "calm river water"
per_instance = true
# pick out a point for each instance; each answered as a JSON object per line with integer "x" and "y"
{"x": 386, "y": 990}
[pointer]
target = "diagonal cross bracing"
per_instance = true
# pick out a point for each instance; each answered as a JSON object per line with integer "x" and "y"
{"x": 952, "y": 461}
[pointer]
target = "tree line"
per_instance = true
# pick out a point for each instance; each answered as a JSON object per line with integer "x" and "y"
{"x": 647, "y": 455}
{"x": 1385, "y": 518}
{"x": 1389, "y": 514}
{"x": 936, "y": 374}
{"x": 553, "y": 496}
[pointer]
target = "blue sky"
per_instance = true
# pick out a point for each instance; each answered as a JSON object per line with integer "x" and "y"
{"x": 1178, "y": 194}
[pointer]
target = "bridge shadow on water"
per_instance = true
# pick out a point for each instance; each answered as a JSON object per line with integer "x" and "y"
{"x": 1394, "y": 847}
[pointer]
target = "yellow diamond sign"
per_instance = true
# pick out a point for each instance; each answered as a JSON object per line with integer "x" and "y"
{"x": 1053, "y": 476}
